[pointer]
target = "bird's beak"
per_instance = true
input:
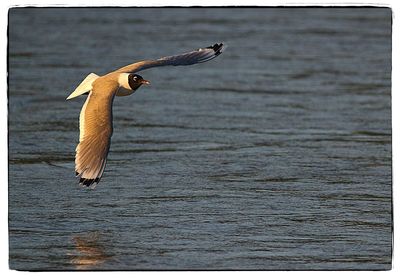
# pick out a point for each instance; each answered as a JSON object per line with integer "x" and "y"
{"x": 145, "y": 82}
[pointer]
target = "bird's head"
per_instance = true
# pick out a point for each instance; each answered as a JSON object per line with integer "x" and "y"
{"x": 135, "y": 81}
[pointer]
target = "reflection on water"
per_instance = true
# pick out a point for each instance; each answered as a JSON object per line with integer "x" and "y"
{"x": 90, "y": 251}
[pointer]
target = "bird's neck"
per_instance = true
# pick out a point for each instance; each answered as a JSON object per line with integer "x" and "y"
{"x": 123, "y": 81}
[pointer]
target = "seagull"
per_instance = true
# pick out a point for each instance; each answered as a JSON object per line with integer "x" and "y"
{"x": 95, "y": 120}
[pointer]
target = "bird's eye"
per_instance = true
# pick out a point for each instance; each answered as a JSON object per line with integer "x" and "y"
{"x": 134, "y": 78}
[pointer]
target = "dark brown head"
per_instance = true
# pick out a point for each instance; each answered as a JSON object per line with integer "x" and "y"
{"x": 135, "y": 81}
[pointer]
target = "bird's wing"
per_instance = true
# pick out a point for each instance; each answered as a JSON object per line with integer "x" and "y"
{"x": 95, "y": 125}
{"x": 197, "y": 56}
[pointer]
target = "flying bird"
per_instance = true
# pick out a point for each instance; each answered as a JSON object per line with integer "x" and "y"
{"x": 95, "y": 120}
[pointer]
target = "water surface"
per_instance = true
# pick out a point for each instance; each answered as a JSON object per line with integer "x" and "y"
{"x": 274, "y": 156}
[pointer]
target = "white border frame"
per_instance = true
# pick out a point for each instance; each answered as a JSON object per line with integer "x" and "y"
{"x": 5, "y": 5}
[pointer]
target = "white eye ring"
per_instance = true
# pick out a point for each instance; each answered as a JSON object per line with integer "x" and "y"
{"x": 134, "y": 78}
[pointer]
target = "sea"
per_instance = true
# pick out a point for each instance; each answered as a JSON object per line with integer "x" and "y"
{"x": 276, "y": 155}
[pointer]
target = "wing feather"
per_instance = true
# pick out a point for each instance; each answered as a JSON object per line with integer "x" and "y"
{"x": 95, "y": 133}
{"x": 194, "y": 57}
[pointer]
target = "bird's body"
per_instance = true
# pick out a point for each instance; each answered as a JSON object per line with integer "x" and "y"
{"x": 95, "y": 121}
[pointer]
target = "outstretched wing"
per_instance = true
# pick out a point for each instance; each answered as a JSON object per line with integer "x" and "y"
{"x": 198, "y": 56}
{"x": 95, "y": 125}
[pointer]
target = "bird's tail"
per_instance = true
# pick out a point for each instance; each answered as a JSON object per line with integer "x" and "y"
{"x": 85, "y": 86}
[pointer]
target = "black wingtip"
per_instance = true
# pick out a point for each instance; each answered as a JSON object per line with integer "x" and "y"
{"x": 89, "y": 182}
{"x": 217, "y": 48}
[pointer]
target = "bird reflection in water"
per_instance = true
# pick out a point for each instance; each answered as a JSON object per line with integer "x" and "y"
{"x": 90, "y": 251}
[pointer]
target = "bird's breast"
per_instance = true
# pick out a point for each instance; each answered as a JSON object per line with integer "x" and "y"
{"x": 124, "y": 92}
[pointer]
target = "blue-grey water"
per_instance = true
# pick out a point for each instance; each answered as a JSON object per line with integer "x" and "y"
{"x": 276, "y": 155}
